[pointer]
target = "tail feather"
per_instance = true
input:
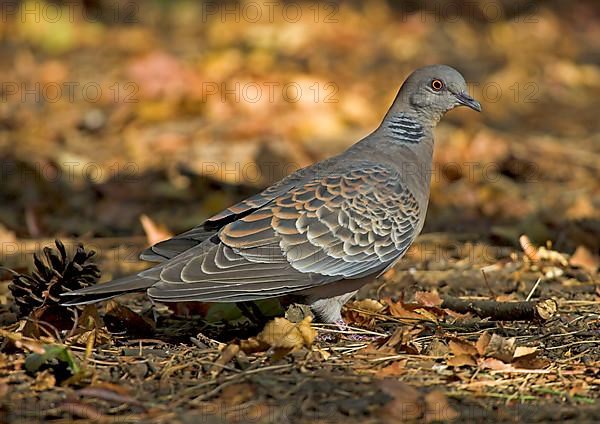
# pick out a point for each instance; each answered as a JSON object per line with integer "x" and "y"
{"x": 104, "y": 291}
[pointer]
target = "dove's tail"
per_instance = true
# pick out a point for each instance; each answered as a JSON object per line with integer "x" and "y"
{"x": 104, "y": 291}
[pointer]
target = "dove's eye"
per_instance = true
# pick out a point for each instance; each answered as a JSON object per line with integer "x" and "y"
{"x": 437, "y": 84}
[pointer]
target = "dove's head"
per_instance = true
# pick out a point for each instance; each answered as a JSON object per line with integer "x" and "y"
{"x": 433, "y": 90}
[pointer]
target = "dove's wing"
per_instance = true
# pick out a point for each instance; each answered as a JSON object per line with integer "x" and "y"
{"x": 346, "y": 225}
{"x": 172, "y": 247}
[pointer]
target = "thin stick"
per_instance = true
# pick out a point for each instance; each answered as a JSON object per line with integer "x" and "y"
{"x": 535, "y": 286}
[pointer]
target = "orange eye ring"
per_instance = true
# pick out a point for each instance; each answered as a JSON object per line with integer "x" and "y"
{"x": 437, "y": 84}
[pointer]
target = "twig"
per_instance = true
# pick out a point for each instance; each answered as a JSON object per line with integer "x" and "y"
{"x": 487, "y": 284}
{"x": 503, "y": 311}
{"x": 533, "y": 289}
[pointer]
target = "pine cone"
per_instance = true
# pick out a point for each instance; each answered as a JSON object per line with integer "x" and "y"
{"x": 51, "y": 277}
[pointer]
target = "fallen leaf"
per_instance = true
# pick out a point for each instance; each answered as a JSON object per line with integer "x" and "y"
{"x": 500, "y": 348}
{"x": 495, "y": 365}
{"x": 120, "y": 319}
{"x": 90, "y": 329}
{"x": 237, "y": 394}
{"x": 253, "y": 345}
{"x": 368, "y": 305}
{"x": 524, "y": 351}
{"x": 83, "y": 410}
{"x": 462, "y": 347}
{"x": 6, "y": 236}
{"x": 396, "y": 309}
{"x": 437, "y": 348}
{"x": 22, "y": 342}
{"x": 462, "y": 360}
{"x": 400, "y": 341}
{"x": 583, "y": 258}
{"x": 154, "y": 233}
{"x": 361, "y": 312}
{"x": 58, "y": 359}
{"x": 529, "y": 248}
{"x": 43, "y": 381}
{"x": 537, "y": 254}
{"x": 531, "y": 363}
{"x": 406, "y": 403}
{"x": 437, "y": 408}
{"x": 482, "y": 343}
{"x": 227, "y": 354}
{"x": 283, "y": 334}
{"x": 393, "y": 370}
{"x": 428, "y": 298}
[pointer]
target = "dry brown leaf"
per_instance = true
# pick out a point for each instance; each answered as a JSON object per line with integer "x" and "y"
{"x": 283, "y": 334}
{"x": 369, "y": 305}
{"x": 428, "y": 298}
{"x": 427, "y": 314}
{"x": 537, "y": 254}
{"x": 462, "y": 360}
{"x": 552, "y": 256}
{"x": 495, "y": 365}
{"x": 400, "y": 341}
{"x": 531, "y": 363}
{"x": 437, "y": 348}
{"x": 361, "y": 312}
{"x": 500, "y": 348}
{"x": 406, "y": 403}
{"x": 583, "y": 258}
{"x": 437, "y": 408}
{"x": 121, "y": 319}
{"x": 462, "y": 347}
{"x": 154, "y": 233}
{"x": 7, "y": 236}
{"x": 43, "y": 381}
{"x": 402, "y": 310}
{"x": 227, "y": 354}
{"x": 237, "y": 394}
{"x": 21, "y": 342}
{"x": 524, "y": 351}
{"x": 482, "y": 342}
{"x": 393, "y": 370}
{"x": 3, "y": 389}
{"x": 253, "y": 345}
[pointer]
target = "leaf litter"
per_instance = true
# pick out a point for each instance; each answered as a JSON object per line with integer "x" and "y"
{"x": 202, "y": 362}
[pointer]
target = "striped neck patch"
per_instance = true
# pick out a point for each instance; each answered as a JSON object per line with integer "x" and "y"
{"x": 405, "y": 129}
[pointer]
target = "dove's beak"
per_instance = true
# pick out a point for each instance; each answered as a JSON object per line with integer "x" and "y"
{"x": 466, "y": 100}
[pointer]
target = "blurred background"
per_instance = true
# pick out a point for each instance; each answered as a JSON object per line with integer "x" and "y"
{"x": 114, "y": 110}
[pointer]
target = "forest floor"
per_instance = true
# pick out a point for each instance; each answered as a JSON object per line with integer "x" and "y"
{"x": 155, "y": 150}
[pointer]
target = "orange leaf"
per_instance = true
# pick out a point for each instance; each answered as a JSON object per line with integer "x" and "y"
{"x": 495, "y": 365}
{"x": 482, "y": 343}
{"x": 154, "y": 232}
{"x": 394, "y": 369}
{"x": 585, "y": 259}
{"x": 462, "y": 360}
{"x": 428, "y": 298}
{"x": 437, "y": 408}
{"x": 462, "y": 347}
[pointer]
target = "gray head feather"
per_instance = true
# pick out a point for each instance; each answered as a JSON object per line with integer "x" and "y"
{"x": 431, "y": 91}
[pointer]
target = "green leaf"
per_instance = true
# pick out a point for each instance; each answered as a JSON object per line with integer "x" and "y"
{"x": 51, "y": 352}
